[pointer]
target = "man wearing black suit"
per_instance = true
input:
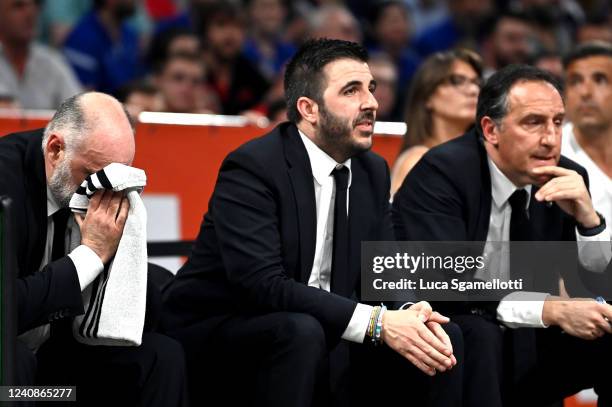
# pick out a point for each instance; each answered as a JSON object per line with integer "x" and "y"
{"x": 41, "y": 170}
{"x": 508, "y": 171}
{"x": 272, "y": 285}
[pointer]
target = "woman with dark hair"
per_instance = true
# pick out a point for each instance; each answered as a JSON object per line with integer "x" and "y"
{"x": 441, "y": 105}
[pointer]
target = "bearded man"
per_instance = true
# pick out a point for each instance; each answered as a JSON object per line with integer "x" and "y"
{"x": 273, "y": 282}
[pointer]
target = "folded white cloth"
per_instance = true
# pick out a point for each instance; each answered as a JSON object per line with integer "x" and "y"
{"x": 115, "y": 302}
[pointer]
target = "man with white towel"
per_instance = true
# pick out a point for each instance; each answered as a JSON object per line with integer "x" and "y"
{"x": 41, "y": 171}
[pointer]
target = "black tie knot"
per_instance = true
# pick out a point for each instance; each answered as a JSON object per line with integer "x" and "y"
{"x": 518, "y": 200}
{"x": 341, "y": 175}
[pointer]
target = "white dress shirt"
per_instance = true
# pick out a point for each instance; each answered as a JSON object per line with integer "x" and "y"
{"x": 522, "y": 308}
{"x": 600, "y": 183}
{"x": 87, "y": 263}
{"x": 325, "y": 192}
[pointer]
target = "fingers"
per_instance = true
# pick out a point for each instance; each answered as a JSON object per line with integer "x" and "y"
{"x": 419, "y": 364}
{"x": 440, "y": 333}
{"x": 439, "y": 318}
{"x": 568, "y": 187}
{"x": 107, "y": 195}
{"x": 425, "y": 356}
{"x": 79, "y": 217}
{"x": 606, "y": 311}
{"x": 552, "y": 170}
{"x": 94, "y": 201}
{"x": 434, "y": 347}
{"x": 124, "y": 209}
{"x": 424, "y": 310}
{"x": 114, "y": 203}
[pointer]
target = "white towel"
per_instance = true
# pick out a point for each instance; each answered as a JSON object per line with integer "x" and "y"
{"x": 115, "y": 302}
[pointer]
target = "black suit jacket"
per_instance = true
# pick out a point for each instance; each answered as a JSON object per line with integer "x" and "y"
{"x": 256, "y": 245}
{"x": 54, "y": 292}
{"x": 447, "y": 197}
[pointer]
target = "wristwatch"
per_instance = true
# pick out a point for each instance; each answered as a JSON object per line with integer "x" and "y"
{"x": 594, "y": 230}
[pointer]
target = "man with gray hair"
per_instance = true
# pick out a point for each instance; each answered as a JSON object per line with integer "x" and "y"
{"x": 41, "y": 171}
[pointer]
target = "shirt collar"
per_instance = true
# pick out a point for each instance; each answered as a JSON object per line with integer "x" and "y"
{"x": 501, "y": 187}
{"x": 52, "y": 205}
{"x": 322, "y": 164}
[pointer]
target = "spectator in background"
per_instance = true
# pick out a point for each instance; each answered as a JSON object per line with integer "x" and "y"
{"x": 441, "y": 106}
{"x": 58, "y": 17}
{"x": 33, "y": 75}
{"x": 587, "y": 136}
{"x": 237, "y": 83}
{"x": 510, "y": 42}
{"x": 103, "y": 50}
{"x": 596, "y": 29}
{"x": 385, "y": 74}
{"x": 264, "y": 46}
{"x": 391, "y": 30}
{"x": 334, "y": 21}
{"x": 139, "y": 97}
{"x": 554, "y": 21}
{"x": 190, "y": 18}
{"x": 180, "y": 82}
{"x": 426, "y": 13}
{"x": 178, "y": 40}
{"x": 550, "y": 62}
{"x": 463, "y": 27}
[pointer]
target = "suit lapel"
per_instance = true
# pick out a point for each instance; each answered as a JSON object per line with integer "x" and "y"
{"x": 486, "y": 197}
{"x": 360, "y": 209}
{"x": 300, "y": 176}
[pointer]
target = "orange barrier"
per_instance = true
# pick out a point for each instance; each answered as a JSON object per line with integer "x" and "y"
{"x": 184, "y": 160}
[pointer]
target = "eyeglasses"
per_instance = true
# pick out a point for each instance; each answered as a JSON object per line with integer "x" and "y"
{"x": 461, "y": 81}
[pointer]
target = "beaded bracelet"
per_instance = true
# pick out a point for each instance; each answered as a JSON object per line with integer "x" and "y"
{"x": 378, "y": 331}
{"x": 372, "y": 323}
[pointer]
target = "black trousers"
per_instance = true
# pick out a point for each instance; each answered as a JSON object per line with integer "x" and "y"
{"x": 562, "y": 365}
{"x": 152, "y": 374}
{"x": 283, "y": 359}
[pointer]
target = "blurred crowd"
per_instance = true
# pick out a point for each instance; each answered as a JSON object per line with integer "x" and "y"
{"x": 227, "y": 57}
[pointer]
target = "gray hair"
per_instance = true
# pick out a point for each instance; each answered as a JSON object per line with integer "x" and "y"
{"x": 69, "y": 118}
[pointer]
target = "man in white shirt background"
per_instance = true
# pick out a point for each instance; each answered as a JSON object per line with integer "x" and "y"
{"x": 587, "y": 135}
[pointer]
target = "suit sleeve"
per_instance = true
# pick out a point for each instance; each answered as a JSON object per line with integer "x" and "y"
{"x": 247, "y": 227}
{"x": 48, "y": 295}
{"x": 427, "y": 207}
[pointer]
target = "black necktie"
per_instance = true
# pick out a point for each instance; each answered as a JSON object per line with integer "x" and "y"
{"x": 60, "y": 220}
{"x": 523, "y": 340}
{"x": 519, "y": 221}
{"x": 340, "y": 254}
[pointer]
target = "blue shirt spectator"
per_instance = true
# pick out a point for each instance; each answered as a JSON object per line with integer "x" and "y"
{"x": 101, "y": 62}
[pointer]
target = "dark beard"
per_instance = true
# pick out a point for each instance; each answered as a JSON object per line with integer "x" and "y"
{"x": 335, "y": 133}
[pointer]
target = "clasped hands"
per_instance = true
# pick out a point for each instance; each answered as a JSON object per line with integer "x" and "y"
{"x": 416, "y": 334}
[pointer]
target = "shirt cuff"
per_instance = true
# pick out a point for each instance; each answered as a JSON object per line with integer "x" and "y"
{"x": 594, "y": 252}
{"x": 358, "y": 325}
{"x": 87, "y": 263}
{"x": 522, "y": 309}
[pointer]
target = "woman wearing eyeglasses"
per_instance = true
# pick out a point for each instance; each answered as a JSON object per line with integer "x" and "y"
{"x": 441, "y": 105}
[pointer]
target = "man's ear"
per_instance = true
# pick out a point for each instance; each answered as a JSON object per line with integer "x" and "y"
{"x": 490, "y": 130}
{"x": 309, "y": 109}
{"x": 55, "y": 149}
